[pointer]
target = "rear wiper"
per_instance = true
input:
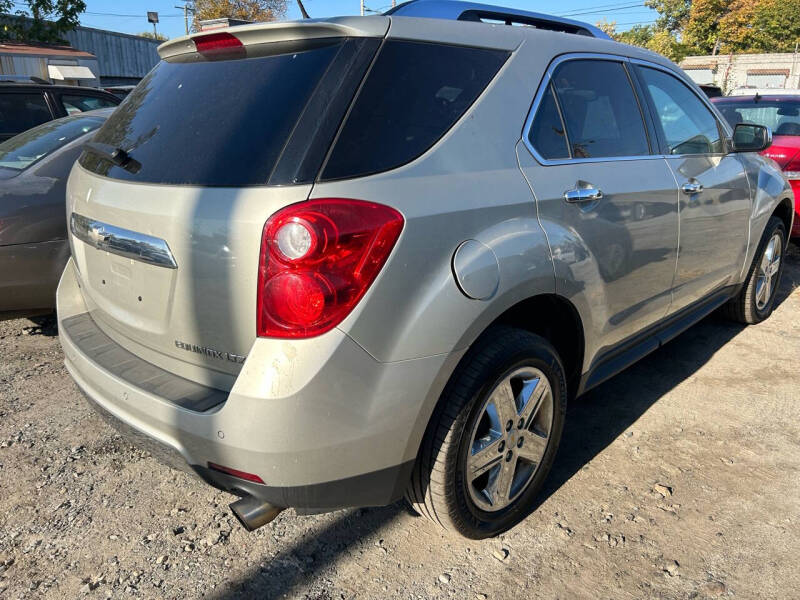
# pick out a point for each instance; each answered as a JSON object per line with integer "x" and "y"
{"x": 116, "y": 156}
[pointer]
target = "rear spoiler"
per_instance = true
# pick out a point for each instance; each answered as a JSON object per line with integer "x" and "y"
{"x": 264, "y": 33}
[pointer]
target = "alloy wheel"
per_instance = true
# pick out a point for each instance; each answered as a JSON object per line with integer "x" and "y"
{"x": 509, "y": 439}
{"x": 768, "y": 272}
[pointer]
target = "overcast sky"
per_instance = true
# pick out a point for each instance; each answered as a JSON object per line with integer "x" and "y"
{"x": 129, "y": 16}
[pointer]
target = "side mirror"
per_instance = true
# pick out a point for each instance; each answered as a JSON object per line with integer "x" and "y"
{"x": 751, "y": 138}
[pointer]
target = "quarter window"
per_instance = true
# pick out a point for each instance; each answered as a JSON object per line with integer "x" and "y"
{"x": 547, "y": 133}
{"x": 601, "y": 113}
{"x": 688, "y": 126}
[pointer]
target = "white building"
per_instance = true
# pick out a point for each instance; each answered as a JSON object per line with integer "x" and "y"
{"x": 731, "y": 71}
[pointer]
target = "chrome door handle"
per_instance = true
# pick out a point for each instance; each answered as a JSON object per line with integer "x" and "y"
{"x": 583, "y": 194}
{"x": 692, "y": 187}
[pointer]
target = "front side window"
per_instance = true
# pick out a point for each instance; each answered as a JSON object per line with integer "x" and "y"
{"x": 601, "y": 113}
{"x": 77, "y": 104}
{"x": 688, "y": 126}
{"x": 21, "y": 111}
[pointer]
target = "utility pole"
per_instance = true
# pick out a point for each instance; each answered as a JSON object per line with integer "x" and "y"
{"x": 362, "y": 8}
{"x": 186, "y": 10}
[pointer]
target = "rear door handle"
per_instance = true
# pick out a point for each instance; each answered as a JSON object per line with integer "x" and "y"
{"x": 692, "y": 187}
{"x": 583, "y": 194}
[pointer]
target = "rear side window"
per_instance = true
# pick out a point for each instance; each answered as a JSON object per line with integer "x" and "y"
{"x": 601, "y": 113}
{"x": 235, "y": 122}
{"x": 21, "y": 111}
{"x": 78, "y": 104}
{"x": 413, "y": 95}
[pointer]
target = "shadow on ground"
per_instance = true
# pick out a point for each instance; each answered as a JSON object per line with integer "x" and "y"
{"x": 593, "y": 422}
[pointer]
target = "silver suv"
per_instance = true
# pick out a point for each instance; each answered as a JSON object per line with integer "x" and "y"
{"x": 332, "y": 263}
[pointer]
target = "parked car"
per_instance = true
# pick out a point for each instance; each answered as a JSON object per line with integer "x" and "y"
{"x": 384, "y": 264}
{"x": 120, "y": 91}
{"x": 33, "y": 234}
{"x": 26, "y": 105}
{"x": 782, "y": 115}
{"x": 712, "y": 91}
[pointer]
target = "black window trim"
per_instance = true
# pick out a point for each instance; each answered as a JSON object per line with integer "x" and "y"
{"x": 724, "y": 134}
{"x": 654, "y": 137}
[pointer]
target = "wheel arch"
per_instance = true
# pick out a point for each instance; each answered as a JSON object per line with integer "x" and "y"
{"x": 785, "y": 212}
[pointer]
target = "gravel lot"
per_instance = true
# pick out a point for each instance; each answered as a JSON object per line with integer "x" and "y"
{"x": 680, "y": 478}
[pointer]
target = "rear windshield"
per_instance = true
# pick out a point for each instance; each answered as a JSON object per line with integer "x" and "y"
{"x": 29, "y": 147}
{"x": 782, "y": 117}
{"x": 212, "y": 123}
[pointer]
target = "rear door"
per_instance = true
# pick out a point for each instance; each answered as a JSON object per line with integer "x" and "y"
{"x": 715, "y": 195}
{"x": 607, "y": 203}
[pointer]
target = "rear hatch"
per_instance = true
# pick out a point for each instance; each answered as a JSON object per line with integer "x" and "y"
{"x": 168, "y": 203}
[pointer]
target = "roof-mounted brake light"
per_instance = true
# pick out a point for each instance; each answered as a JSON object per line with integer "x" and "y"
{"x": 218, "y": 43}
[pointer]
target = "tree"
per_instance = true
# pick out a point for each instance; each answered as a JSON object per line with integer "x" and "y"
{"x": 672, "y": 14}
{"x": 246, "y": 10}
{"x": 647, "y": 36}
{"x": 153, "y": 36}
{"x": 760, "y": 26}
{"x": 42, "y": 20}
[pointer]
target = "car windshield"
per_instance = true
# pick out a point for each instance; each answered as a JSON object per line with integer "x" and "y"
{"x": 31, "y": 146}
{"x": 781, "y": 116}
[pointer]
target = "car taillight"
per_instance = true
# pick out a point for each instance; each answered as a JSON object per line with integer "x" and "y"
{"x": 219, "y": 45}
{"x": 792, "y": 170}
{"x": 318, "y": 258}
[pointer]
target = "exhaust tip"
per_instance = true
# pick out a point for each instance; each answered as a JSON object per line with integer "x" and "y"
{"x": 253, "y": 513}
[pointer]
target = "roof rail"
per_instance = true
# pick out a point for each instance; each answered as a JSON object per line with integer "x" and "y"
{"x": 472, "y": 11}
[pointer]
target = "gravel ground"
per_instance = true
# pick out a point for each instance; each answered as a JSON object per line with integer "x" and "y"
{"x": 680, "y": 478}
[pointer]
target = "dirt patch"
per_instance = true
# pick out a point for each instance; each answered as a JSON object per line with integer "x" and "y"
{"x": 680, "y": 478}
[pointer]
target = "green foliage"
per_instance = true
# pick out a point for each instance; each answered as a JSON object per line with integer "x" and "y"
{"x": 706, "y": 26}
{"x": 153, "y": 36}
{"x": 44, "y": 20}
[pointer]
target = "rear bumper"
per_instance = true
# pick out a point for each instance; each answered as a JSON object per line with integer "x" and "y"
{"x": 320, "y": 421}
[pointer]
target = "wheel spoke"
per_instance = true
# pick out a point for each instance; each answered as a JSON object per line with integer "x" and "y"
{"x": 484, "y": 459}
{"x": 533, "y": 447}
{"x": 533, "y": 394}
{"x": 504, "y": 403}
{"x": 499, "y": 488}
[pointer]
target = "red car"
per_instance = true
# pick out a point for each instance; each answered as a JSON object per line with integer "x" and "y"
{"x": 782, "y": 115}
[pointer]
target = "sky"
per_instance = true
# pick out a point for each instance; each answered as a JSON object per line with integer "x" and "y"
{"x": 130, "y": 16}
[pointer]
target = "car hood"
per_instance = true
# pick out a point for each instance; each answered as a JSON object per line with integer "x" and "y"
{"x": 783, "y": 149}
{"x": 6, "y": 173}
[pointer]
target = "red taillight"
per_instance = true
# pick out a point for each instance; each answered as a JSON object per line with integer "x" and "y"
{"x": 318, "y": 258}
{"x": 792, "y": 169}
{"x": 235, "y": 473}
{"x": 214, "y": 43}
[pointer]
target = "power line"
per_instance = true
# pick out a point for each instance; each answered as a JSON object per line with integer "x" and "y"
{"x": 604, "y": 10}
{"x": 597, "y": 6}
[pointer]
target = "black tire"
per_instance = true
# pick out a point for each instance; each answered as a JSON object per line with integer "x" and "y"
{"x": 744, "y": 308}
{"x": 438, "y": 489}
